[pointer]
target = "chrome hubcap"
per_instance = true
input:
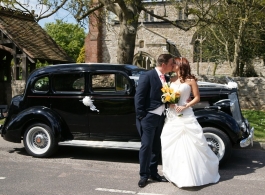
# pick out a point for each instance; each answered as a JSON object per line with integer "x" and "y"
{"x": 216, "y": 144}
{"x": 213, "y": 144}
{"x": 40, "y": 140}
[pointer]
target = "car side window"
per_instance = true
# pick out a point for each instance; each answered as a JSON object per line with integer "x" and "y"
{"x": 41, "y": 85}
{"x": 68, "y": 82}
{"x": 110, "y": 82}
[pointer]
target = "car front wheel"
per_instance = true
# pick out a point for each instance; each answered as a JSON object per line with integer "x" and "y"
{"x": 39, "y": 140}
{"x": 219, "y": 142}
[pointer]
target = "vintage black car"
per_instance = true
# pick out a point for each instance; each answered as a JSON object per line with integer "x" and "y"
{"x": 93, "y": 105}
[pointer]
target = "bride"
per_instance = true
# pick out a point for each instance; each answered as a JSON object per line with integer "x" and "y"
{"x": 187, "y": 160}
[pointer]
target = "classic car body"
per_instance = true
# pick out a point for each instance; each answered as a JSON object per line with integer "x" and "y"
{"x": 93, "y": 105}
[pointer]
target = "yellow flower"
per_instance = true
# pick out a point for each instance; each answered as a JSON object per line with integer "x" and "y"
{"x": 169, "y": 95}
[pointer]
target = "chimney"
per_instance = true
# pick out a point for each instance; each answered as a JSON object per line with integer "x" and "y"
{"x": 93, "y": 41}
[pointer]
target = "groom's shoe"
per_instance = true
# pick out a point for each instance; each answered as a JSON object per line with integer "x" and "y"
{"x": 143, "y": 182}
{"x": 159, "y": 178}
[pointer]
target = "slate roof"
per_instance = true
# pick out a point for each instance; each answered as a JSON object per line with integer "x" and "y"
{"x": 29, "y": 37}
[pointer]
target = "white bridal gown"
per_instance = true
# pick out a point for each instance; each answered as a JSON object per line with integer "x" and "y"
{"x": 187, "y": 159}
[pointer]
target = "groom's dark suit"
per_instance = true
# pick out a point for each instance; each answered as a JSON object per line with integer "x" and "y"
{"x": 149, "y": 125}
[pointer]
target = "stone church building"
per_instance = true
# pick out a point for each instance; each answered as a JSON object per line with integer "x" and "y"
{"x": 153, "y": 38}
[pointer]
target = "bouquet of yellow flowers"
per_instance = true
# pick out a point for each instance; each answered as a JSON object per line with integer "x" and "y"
{"x": 169, "y": 96}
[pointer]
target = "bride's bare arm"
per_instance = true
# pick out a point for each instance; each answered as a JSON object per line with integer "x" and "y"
{"x": 195, "y": 92}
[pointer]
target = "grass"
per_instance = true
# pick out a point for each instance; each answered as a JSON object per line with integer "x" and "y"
{"x": 2, "y": 121}
{"x": 257, "y": 120}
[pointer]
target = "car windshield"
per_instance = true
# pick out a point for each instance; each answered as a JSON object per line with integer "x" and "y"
{"x": 136, "y": 74}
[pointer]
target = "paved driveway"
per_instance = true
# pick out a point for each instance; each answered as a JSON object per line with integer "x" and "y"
{"x": 79, "y": 170}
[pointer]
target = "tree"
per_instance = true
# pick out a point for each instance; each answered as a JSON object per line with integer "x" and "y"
{"x": 81, "y": 57}
{"x": 46, "y": 8}
{"x": 238, "y": 26}
{"x": 127, "y": 11}
{"x": 68, "y": 36}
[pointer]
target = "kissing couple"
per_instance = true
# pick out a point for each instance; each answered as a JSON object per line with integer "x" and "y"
{"x": 186, "y": 158}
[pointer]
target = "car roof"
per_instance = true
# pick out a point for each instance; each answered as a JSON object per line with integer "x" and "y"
{"x": 84, "y": 67}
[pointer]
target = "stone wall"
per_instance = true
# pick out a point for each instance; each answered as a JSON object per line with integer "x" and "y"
{"x": 9, "y": 90}
{"x": 156, "y": 34}
{"x": 224, "y": 69}
{"x": 251, "y": 90}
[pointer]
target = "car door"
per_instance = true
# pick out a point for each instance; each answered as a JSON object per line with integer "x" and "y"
{"x": 38, "y": 92}
{"x": 113, "y": 96}
{"x": 68, "y": 92}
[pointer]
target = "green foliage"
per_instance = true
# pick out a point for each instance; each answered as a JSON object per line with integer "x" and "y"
{"x": 257, "y": 120}
{"x": 41, "y": 64}
{"x": 68, "y": 36}
{"x": 81, "y": 57}
{"x": 2, "y": 121}
{"x": 234, "y": 31}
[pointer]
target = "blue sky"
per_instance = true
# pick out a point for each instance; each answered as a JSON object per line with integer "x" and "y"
{"x": 61, "y": 14}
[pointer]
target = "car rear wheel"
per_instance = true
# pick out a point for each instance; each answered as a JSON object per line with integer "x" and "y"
{"x": 219, "y": 142}
{"x": 39, "y": 140}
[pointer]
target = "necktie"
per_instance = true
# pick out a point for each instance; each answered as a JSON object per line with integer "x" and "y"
{"x": 162, "y": 77}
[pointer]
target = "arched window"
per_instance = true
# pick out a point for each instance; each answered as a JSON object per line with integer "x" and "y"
{"x": 148, "y": 17}
{"x": 144, "y": 60}
{"x": 196, "y": 51}
{"x": 180, "y": 14}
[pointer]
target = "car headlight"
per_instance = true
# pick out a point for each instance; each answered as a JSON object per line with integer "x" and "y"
{"x": 232, "y": 106}
{"x": 243, "y": 126}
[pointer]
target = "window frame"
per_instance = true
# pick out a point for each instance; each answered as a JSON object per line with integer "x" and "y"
{"x": 115, "y": 92}
{"x": 52, "y": 80}
{"x": 33, "y": 90}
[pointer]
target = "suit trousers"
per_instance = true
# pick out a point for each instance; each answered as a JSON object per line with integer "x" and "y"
{"x": 150, "y": 128}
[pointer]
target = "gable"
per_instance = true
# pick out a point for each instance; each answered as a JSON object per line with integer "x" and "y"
{"x": 28, "y": 36}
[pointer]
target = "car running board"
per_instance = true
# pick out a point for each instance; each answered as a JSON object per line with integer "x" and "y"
{"x": 103, "y": 144}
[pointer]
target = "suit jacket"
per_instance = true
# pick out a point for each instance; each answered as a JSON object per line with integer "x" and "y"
{"x": 148, "y": 93}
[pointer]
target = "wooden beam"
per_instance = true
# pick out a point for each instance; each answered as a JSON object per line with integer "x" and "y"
{"x": 5, "y": 41}
{"x": 24, "y": 67}
{"x": 7, "y": 49}
{"x": 25, "y": 55}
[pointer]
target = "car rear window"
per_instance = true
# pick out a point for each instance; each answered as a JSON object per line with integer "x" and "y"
{"x": 110, "y": 82}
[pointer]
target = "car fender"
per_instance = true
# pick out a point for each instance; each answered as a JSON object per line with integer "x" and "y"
{"x": 220, "y": 120}
{"x": 16, "y": 126}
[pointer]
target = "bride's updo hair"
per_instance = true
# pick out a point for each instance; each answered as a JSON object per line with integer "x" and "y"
{"x": 184, "y": 69}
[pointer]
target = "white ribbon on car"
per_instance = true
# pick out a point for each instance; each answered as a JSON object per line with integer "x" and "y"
{"x": 231, "y": 84}
{"x": 87, "y": 101}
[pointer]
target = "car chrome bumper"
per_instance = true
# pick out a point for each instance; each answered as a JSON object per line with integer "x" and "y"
{"x": 249, "y": 140}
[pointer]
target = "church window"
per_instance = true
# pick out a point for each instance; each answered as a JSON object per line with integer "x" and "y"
{"x": 180, "y": 14}
{"x": 148, "y": 17}
{"x": 196, "y": 51}
{"x": 141, "y": 44}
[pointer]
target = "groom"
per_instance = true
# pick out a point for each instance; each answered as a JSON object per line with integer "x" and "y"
{"x": 150, "y": 118}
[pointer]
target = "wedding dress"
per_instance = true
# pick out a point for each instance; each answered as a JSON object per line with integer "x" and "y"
{"x": 186, "y": 157}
